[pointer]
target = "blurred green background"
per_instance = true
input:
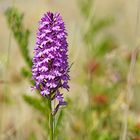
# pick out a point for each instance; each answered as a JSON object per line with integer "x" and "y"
{"x": 104, "y": 100}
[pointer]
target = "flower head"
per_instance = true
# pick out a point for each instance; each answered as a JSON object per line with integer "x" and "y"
{"x": 50, "y": 62}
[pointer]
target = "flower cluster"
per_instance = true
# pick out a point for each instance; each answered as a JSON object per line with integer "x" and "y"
{"x": 50, "y": 62}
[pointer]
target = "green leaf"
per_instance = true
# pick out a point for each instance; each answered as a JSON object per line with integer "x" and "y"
{"x": 59, "y": 122}
{"x": 105, "y": 46}
{"x": 15, "y": 22}
{"x": 26, "y": 73}
{"x": 101, "y": 24}
{"x": 39, "y": 104}
{"x": 96, "y": 26}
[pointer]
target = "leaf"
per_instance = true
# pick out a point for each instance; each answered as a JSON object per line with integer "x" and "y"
{"x": 96, "y": 26}
{"x": 101, "y": 24}
{"x": 39, "y": 104}
{"x": 59, "y": 122}
{"x": 105, "y": 46}
{"x": 26, "y": 73}
{"x": 15, "y": 22}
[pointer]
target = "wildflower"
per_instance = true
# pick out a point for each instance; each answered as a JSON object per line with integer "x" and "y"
{"x": 50, "y": 63}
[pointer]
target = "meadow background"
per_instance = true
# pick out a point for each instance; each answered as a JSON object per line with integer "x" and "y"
{"x": 104, "y": 100}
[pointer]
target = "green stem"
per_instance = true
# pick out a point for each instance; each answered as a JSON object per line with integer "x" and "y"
{"x": 51, "y": 120}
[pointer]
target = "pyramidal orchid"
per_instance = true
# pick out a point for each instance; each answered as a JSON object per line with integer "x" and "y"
{"x": 50, "y": 62}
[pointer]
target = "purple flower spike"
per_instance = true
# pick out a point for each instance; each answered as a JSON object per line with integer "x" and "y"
{"x": 50, "y": 63}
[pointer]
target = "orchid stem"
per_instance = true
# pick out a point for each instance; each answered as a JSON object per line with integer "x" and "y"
{"x": 51, "y": 120}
